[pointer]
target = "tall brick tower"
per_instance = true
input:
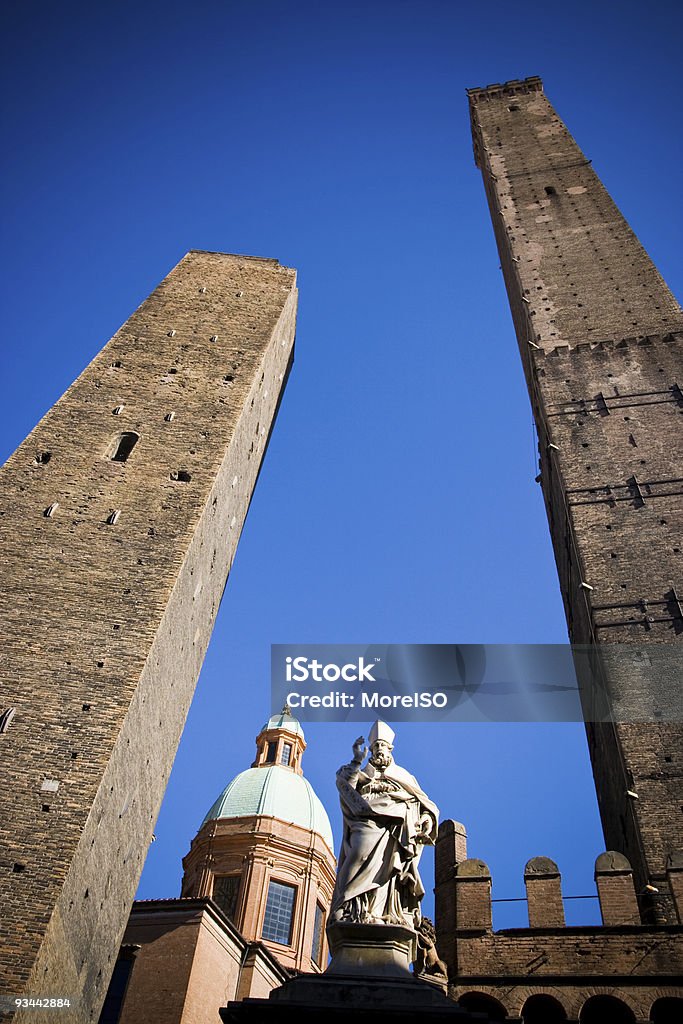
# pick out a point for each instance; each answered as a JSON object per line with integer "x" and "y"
{"x": 599, "y": 335}
{"x": 120, "y": 515}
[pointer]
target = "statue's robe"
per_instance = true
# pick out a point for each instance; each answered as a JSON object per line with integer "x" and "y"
{"x": 377, "y": 875}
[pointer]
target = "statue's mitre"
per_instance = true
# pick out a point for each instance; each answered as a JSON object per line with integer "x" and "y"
{"x": 381, "y": 731}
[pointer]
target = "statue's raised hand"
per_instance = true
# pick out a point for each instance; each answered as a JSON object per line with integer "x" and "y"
{"x": 359, "y": 749}
{"x": 424, "y": 830}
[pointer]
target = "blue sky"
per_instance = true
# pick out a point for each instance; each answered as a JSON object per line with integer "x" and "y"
{"x": 397, "y": 502}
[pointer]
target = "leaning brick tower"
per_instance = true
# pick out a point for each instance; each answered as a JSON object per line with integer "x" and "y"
{"x": 120, "y": 515}
{"x": 599, "y": 335}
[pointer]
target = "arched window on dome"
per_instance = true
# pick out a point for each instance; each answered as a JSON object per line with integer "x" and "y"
{"x": 286, "y": 753}
{"x": 277, "y": 922}
{"x": 271, "y": 750}
{"x": 225, "y": 892}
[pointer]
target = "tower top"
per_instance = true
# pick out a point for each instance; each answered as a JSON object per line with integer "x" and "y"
{"x": 514, "y": 87}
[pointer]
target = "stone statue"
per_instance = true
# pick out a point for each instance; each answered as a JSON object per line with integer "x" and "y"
{"x": 387, "y": 821}
{"x": 427, "y": 960}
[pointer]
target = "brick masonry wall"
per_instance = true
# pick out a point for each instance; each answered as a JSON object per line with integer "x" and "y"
{"x": 636, "y": 965}
{"x": 107, "y": 624}
{"x": 599, "y": 334}
{"x": 189, "y": 962}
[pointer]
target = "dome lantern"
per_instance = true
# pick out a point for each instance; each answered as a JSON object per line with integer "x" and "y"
{"x": 280, "y": 741}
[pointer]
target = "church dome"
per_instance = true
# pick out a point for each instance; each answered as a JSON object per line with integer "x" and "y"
{"x": 284, "y": 721}
{"x": 275, "y": 791}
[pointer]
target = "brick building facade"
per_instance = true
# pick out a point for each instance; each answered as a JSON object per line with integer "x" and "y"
{"x": 120, "y": 516}
{"x": 600, "y": 339}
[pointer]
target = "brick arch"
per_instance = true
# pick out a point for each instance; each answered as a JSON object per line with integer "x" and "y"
{"x": 578, "y": 997}
{"x": 666, "y": 1010}
{"x": 483, "y": 1002}
{"x": 519, "y": 996}
{"x": 606, "y": 1008}
{"x": 541, "y": 1008}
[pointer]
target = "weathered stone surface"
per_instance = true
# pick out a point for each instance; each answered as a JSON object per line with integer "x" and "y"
{"x": 312, "y": 998}
{"x": 106, "y": 618}
{"x": 384, "y": 950}
{"x": 600, "y": 338}
{"x": 597, "y": 330}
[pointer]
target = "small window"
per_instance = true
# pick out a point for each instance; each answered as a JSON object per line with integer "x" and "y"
{"x": 277, "y": 923}
{"x": 513, "y": 108}
{"x": 181, "y": 475}
{"x": 270, "y": 753}
{"x": 550, "y": 191}
{"x": 6, "y": 717}
{"x": 225, "y": 892}
{"x": 285, "y": 753}
{"x": 123, "y": 446}
{"x": 113, "y": 517}
{"x": 318, "y": 933}
{"x": 42, "y": 458}
{"x": 51, "y": 509}
{"x": 169, "y": 417}
{"x": 116, "y": 993}
{"x": 117, "y": 410}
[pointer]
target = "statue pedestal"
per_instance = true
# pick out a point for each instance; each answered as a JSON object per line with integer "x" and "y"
{"x": 369, "y": 976}
{"x": 383, "y": 950}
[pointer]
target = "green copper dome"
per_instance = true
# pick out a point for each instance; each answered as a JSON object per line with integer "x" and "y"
{"x": 284, "y": 721}
{"x": 275, "y": 791}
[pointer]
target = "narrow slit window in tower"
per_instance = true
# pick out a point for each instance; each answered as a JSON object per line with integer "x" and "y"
{"x": 124, "y": 445}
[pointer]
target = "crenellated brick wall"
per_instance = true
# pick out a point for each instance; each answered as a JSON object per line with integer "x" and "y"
{"x": 623, "y": 958}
